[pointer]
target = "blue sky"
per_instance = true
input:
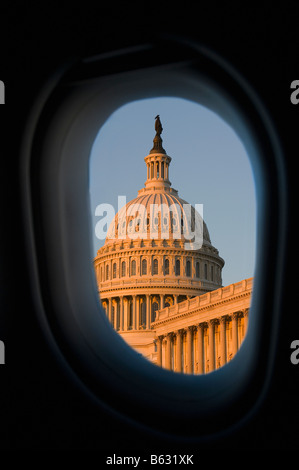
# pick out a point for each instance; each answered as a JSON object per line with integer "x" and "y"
{"x": 209, "y": 166}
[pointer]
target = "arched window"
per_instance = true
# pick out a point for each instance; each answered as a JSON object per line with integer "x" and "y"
{"x": 206, "y": 271}
{"x": 123, "y": 269}
{"x": 212, "y": 273}
{"x": 166, "y": 267}
{"x": 188, "y": 268}
{"x": 144, "y": 267}
{"x": 177, "y": 267}
{"x": 197, "y": 269}
{"x": 133, "y": 268}
{"x": 114, "y": 270}
{"x": 155, "y": 267}
{"x": 107, "y": 272}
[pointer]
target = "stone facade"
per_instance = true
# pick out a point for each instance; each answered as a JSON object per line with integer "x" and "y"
{"x": 161, "y": 289}
{"x": 203, "y": 333}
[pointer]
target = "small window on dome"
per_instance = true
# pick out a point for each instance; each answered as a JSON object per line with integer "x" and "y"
{"x": 177, "y": 267}
{"x": 133, "y": 268}
{"x": 155, "y": 267}
{"x": 188, "y": 268}
{"x": 197, "y": 269}
{"x": 144, "y": 267}
{"x": 166, "y": 267}
{"x": 123, "y": 269}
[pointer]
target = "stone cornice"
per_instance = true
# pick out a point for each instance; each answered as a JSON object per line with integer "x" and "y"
{"x": 185, "y": 309}
{"x": 158, "y": 251}
{"x": 192, "y": 286}
{"x": 150, "y": 289}
{"x": 158, "y": 323}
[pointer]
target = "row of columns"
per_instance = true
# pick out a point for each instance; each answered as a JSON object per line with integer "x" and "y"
{"x": 122, "y": 305}
{"x": 189, "y": 358}
{"x": 152, "y": 170}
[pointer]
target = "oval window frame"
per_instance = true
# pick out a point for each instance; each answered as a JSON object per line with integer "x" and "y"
{"x": 55, "y": 154}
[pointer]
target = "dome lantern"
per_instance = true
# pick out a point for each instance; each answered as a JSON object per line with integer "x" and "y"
{"x": 157, "y": 162}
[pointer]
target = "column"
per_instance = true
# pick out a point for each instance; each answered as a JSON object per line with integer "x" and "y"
{"x": 137, "y": 313}
{"x": 200, "y": 340}
{"x": 134, "y": 312}
{"x": 162, "y": 297}
{"x": 148, "y": 313}
{"x": 109, "y": 309}
{"x": 178, "y": 351}
{"x": 211, "y": 346}
{"x": 175, "y": 298}
{"x": 189, "y": 349}
{"x": 159, "y": 350}
{"x": 168, "y": 351}
{"x": 126, "y": 305}
{"x": 245, "y": 321}
{"x": 121, "y": 313}
{"x": 222, "y": 341}
{"x": 143, "y": 312}
{"x": 234, "y": 333}
{"x": 115, "y": 313}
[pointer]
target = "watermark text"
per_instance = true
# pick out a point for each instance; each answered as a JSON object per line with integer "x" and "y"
{"x": 158, "y": 221}
{"x": 294, "y": 97}
{"x": 2, "y": 93}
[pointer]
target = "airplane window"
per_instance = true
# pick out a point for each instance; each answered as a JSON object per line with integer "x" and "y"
{"x": 209, "y": 166}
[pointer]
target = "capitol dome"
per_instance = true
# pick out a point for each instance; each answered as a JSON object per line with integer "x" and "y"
{"x": 157, "y": 253}
{"x": 159, "y": 214}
